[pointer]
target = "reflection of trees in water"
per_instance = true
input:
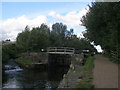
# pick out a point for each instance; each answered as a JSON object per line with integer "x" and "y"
{"x": 35, "y": 78}
{"x": 56, "y": 73}
{"x": 30, "y": 75}
{"x": 41, "y": 79}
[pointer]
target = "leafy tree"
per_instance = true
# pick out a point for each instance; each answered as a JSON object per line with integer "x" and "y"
{"x": 23, "y": 39}
{"x": 8, "y": 51}
{"x": 102, "y": 22}
{"x": 41, "y": 37}
{"x": 58, "y": 34}
{"x": 34, "y": 40}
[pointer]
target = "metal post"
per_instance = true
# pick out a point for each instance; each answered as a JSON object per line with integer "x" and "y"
{"x": 55, "y": 49}
{"x": 64, "y": 50}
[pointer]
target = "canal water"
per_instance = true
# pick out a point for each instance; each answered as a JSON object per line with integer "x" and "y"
{"x": 16, "y": 77}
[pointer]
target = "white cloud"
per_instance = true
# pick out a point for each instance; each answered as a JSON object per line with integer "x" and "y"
{"x": 80, "y": 35}
{"x": 11, "y": 27}
{"x": 99, "y": 49}
{"x": 71, "y": 19}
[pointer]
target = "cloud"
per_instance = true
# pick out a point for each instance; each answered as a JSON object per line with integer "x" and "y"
{"x": 71, "y": 19}
{"x": 99, "y": 49}
{"x": 11, "y": 27}
{"x": 80, "y": 35}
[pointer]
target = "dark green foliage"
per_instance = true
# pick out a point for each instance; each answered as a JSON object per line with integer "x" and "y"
{"x": 23, "y": 39}
{"x": 57, "y": 36}
{"x": 102, "y": 23}
{"x": 79, "y": 44}
{"x": 34, "y": 40}
{"x": 8, "y": 51}
{"x": 41, "y": 37}
{"x": 89, "y": 64}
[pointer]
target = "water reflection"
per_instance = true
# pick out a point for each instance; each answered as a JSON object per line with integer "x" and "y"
{"x": 16, "y": 77}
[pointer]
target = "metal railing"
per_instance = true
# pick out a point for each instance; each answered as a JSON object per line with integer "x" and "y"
{"x": 60, "y": 50}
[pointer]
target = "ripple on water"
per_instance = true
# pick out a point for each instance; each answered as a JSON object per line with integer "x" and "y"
{"x": 11, "y": 84}
{"x": 13, "y": 70}
{"x": 16, "y": 77}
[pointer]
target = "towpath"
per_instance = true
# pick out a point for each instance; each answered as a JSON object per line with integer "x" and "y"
{"x": 105, "y": 73}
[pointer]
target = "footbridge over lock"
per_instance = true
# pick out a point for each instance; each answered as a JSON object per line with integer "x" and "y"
{"x": 60, "y": 50}
{"x": 60, "y": 55}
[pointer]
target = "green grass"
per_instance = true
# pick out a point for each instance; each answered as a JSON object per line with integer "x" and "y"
{"x": 85, "y": 85}
{"x": 89, "y": 64}
{"x": 87, "y": 74}
{"x": 25, "y": 61}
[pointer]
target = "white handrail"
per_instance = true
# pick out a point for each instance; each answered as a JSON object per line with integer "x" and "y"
{"x": 65, "y": 50}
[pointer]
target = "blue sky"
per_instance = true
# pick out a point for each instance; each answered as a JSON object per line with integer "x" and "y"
{"x": 16, "y": 15}
{"x": 10, "y": 9}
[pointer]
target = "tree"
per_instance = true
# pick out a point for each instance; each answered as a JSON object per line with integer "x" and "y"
{"x": 23, "y": 39}
{"x": 34, "y": 40}
{"x": 41, "y": 37}
{"x": 58, "y": 34}
{"x": 102, "y": 22}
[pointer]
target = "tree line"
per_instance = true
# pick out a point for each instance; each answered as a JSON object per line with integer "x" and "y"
{"x": 102, "y": 23}
{"x": 42, "y": 37}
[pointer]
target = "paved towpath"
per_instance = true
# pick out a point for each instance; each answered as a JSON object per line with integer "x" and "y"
{"x": 105, "y": 73}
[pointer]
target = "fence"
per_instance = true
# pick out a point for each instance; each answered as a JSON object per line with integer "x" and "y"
{"x": 60, "y": 50}
{"x": 115, "y": 56}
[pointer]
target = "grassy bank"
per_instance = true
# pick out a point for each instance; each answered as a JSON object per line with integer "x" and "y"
{"x": 25, "y": 61}
{"x": 87, "y": 75}
{"x": 30, "y": 64}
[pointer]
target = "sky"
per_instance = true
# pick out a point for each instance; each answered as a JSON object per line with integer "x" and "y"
{"x": 16, "y": 15}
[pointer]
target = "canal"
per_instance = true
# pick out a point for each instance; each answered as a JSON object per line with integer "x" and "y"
{"x": 16, "y": 77}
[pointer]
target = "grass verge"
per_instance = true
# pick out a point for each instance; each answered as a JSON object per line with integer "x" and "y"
{"x": 25, "y": 61}
{"x": 87, "y": 75}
